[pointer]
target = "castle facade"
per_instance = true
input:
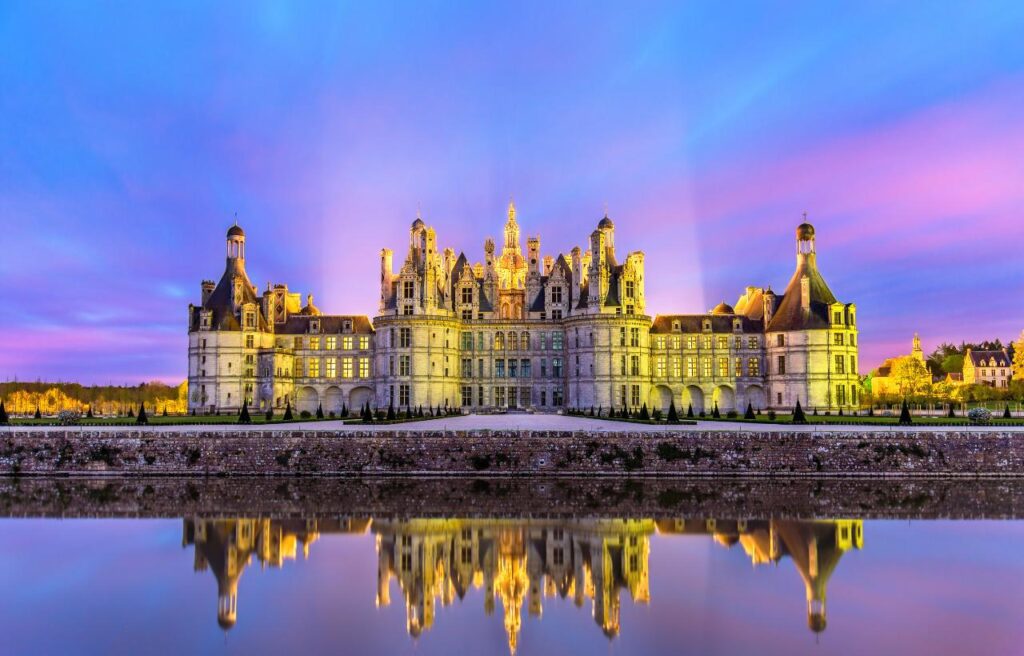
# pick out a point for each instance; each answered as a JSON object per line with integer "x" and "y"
{"x": 520, "y": 330}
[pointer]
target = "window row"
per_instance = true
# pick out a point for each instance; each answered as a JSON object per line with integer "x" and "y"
{"x": 328, "y": 343}
{"x": 331, "y": 367}
{"x": 675, "y": 342}
{"x": 708, "y": 367}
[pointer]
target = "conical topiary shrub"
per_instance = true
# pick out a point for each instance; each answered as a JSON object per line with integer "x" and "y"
{"x": 798, "y": 414}
{"x": 673, "y": 415}
{"x": 391, "y": 411}
{"x": 243, "y": 416}
{"x": 4, "y": 419}
{"x": 319, "y": 411}
{"x": 269, "y": 416}
{"x": 689, "y": 411}
{"x": 952, "y": 412}
{"x": 165, "y": 410}
{"x": 131, "y": 412}
{"x": 644, "y": 414}
{"x": 715, "y": 413}
{"x": 89, "y": 414}
{"x": 287, "y": 410}
{"x": 1006, "y": 412}
{"x": 749, "y": 414}
{"x": 344, "y": 411}
{"x": 142, "y": 418}
{"x": 905, "y": 419}
{"x": 871, "y": 410}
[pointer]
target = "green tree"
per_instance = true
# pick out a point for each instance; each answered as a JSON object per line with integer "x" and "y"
{"x": 1018, "y": 358}
{"x": 910, "y": 376}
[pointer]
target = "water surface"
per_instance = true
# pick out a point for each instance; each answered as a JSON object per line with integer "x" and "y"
{"x": 629, "y": 585}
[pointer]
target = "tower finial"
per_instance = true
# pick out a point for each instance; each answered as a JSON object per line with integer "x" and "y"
{"x": 606, "y": 209}
{"x": 418, "y": 209}
{"x": 511, "y": 210}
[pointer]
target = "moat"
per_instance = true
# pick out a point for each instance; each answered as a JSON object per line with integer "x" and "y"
{"x": 527, "y": 566}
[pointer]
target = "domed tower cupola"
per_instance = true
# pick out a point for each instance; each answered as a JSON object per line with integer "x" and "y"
{"x": 236, "y": 243}
{"x": 607, "y": 227}
{"x": 805, "y": 239}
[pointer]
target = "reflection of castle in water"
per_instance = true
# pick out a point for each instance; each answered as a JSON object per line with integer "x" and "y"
{"x": 518, "y": 561}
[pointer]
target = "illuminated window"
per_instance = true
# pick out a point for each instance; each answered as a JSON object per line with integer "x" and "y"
{"x": 346, "y": 367}
{"x": 659, "y": 342}
{"x": 677, "y": 368}
{"x": 659, "y": 366}
{"x": 332, "y": 367}
{"x": 513, "y": 341}
{"x": 556, "y": 341}
{"x": 705, "y": 342}
{"x": 691, "y": 367}
{"x": 723, "y": 367}
{"x": 314, "y": 367}
{"x": 753, "y": 367}
{"x": 723, "y": 342}
{"x": 691, "y": 341}
{"x": 752, "y": 342}
{"x": 677, "y": 342}
{"x": 346, "y": 343}
{"x": 314, "y": 343}
{"x": 364, "y": 342}
{"x": 330, "y": 343}
{"x": 706, "y": 367}
{"x": 364, "y": 367}
{"x": 739, "y": 367}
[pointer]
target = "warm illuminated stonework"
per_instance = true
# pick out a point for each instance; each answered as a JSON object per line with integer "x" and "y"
{"x": 523, "y": 331}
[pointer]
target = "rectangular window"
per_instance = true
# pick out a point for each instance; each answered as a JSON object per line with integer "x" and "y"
{"x": 634, "y": 337}
{"x": 751, "y": 342}
{"x": 542, "y": 341}
{"x": 408, "y": 288}
{"x": 543, "y": 367}
{"x": 691, "y": 341}
{"x": 630, "y": 288}
{"x": 622, "y": 336}
{"x": 556, "y": 341}
{"x": 838, "y": 339}
{"x": 691, "y": 367}
{"x": 404, "y": 365}
{"x": 556, "y": 397}
{"x": 499, "y": 368}
{"x": 466, "y": 341}
{"x": 837, "y": 317}
{"x": 659, "y": 366}
{"x": 297, "y": 343}
{"x": 635, "y": 395}
{"x": 403, "y": 396}
{"x": 853, "y": 367}
{"x": 556, "y": 294}
{"x": 634, "y": 365}
{"x": 622, "y": 396}
{"x": 480, "y": 367}
{"x": 499, "y": 396}
{"x": 467, "y": 299}
{"x": 404, "y": 337}
{"x": 479, "y": 341}
{"x": 705, "y": 342}
{"x": 556, "y": 315}
{"x": 753, "y": 368}
{"x": 622, "y": 365}
{"x": 513, "y": 369}
{"x": 364, "y": 342}
{"x": 330, "y": 343}
{"x": 556, "y": 368}
{"x": 524, "y": 368}
{"x": 723, "y": 367}
{"x": 780, "y": 340}
{"x": 332, "y": 367}
{"x": 677, "y": 368}
{"x": 780, "y": 366}
{"x": 314, "y": 367}
{"x": 659, "y": 342}
{"x": 739, "y": 367}
{"x": 346, "y": 367}
{"x": 841, "y": 394}
{"x": 346, "y": 343}
{"x": 467, "y": 368}
{"x": 250, "y": 342}
{"x": 314, "y": 343}
{"x": 364, "y": 367}
{"x": 677, "y": 342}
{"x": 840, "y": 364}
{"x": 467, "y": 394}
{"x": 706, "y": 367}
{"x": 723, "y": 342}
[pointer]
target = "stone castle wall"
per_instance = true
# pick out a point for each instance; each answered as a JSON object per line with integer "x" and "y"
{"x": 514, "y": 452}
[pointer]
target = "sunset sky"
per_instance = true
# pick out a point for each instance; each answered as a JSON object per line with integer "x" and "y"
{"x": 131, "y": 135}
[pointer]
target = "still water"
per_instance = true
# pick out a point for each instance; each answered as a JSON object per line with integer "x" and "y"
{"x": 631, "y": 585}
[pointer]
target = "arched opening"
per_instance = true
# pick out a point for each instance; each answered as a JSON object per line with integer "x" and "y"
{"x": 660, "y": 398}
{"x": 725, "y": 398}
{"x": 306, "y": 400}
{"x": 358, "y": 397}
{"x": 693, "y": 396}
{"x": 756, "y": 397}
{"x": 333, "y": 398}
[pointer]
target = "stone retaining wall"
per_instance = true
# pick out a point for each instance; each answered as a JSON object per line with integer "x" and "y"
{"x": 534, "y": 453}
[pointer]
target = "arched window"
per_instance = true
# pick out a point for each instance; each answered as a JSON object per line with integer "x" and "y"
{"x": 513, "y": 341}
{"x": 499, "y": 341}
{"x": 524, "y": 341}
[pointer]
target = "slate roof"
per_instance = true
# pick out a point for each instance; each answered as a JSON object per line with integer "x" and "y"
{"x": 693, "y": 323}
{"x": 982, "y": 358}
{"x": 790, "y": 315}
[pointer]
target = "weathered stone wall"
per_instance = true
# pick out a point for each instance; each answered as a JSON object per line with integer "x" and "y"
{"x": 536, "y": 453}
{"x": 531, "y": 497}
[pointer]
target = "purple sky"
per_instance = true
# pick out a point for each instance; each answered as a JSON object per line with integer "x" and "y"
{"x": 132, "y": 133}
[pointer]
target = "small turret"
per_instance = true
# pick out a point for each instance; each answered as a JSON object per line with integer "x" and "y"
{"x": 207, "y": 288}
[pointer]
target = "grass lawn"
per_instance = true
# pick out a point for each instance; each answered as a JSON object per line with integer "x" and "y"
{"x": 158, "y": 420}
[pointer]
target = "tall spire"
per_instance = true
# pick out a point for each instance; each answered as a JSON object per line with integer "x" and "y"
{"x": 511, "y": 230}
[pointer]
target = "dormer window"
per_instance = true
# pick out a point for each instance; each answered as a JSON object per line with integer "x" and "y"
{"x": 408, "y": 289}
{"x": 737, "y": 325}
{"x": 467, "y": 295}
{"x": 314, "y": 326}
{"x": 706, "y": 326}
{"x": 675, "y": 326}
{"x": 630, "y": 289}
{"x": 837, "y": 317}
{"x": 346, "y": 326}
{"x": 556, "y": 294}
{"x": 250, "y": 320}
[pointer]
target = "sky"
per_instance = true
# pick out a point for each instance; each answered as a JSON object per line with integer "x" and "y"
{"x": 134, "y": 133}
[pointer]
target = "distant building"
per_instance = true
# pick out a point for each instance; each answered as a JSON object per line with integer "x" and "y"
{"x": 992, "y": 368}
{"x": 520, "y": 331}
{"x": 883, "y": 382}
